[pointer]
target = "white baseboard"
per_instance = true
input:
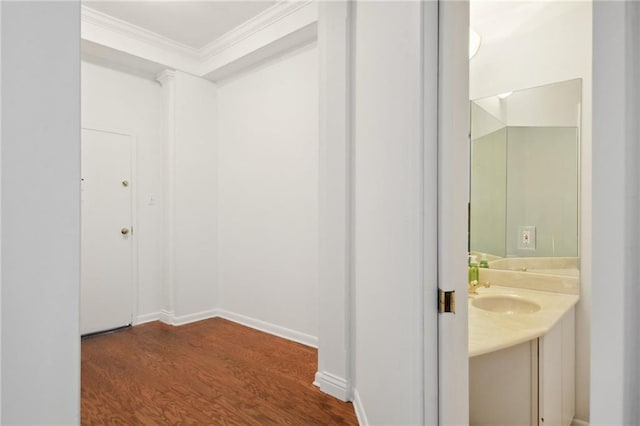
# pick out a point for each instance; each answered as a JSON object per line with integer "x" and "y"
{"x": 267, "y": 327}
{"x": 578, "y": 422}
{"x": 359, "y": 409}
{"x": 143, "y": 319}
{"x": 170, "y": 318}
{"x": 197, "y": 316}
{"x": 166, "y": 317}
{"x": 333, "y": 385}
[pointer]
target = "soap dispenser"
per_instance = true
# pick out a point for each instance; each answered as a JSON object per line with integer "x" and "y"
{"x": 473, "y": 269}
{"x": 484, "y": 262}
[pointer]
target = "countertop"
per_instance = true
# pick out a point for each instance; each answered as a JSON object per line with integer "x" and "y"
{"x": 489, "y": 331}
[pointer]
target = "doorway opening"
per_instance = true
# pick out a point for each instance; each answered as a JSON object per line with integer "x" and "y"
{"x": 542, "y": 53}
{"x": 226, "y": 163}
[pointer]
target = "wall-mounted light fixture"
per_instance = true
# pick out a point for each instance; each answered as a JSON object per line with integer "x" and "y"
{"x": 474, "y": 42}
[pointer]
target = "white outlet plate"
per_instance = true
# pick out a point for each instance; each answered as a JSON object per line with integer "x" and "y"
{"x": 526, "y": 237}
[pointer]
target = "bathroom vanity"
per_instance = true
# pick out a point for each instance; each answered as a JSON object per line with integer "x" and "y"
{"x": 524, "y": 220}
{"x": 521, "y": 357}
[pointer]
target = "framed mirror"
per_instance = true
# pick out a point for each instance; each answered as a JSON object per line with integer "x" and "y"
{"x": 525, "y": 178}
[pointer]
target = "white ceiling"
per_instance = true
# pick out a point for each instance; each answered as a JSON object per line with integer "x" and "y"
{"x": 193, "y": 23}
{"x": 499, "y": 19}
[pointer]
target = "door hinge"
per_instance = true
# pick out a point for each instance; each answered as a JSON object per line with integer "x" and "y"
{"x": 446, "y": 301}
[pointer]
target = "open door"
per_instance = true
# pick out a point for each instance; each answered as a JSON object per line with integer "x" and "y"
{"x": 453, "y": 190}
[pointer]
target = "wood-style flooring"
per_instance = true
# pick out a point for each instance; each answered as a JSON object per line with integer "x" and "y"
{"x": 211, "y": 372}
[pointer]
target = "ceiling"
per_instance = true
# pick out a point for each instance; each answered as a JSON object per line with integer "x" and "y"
{"x": 499, "y": 19}
{"x": 192, "y": 23}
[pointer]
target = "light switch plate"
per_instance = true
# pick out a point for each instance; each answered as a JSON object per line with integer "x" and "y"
{"x": 526, "y": 237}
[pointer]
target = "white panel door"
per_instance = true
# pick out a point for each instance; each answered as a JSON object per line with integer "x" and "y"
{"x": 106, "y": 243}
{"x": 453, "y": 190}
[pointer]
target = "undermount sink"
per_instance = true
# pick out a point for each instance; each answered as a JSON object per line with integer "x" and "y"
{"x": 506, "y": 304}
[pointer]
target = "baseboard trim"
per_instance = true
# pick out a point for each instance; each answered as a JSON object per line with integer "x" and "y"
{"x": 143, "y": 319}
{"x": 359, "y": 409}
{"x": 169, "y": 317}
{"x": 270, "y": 328}
{"x": 166, "y": 317}
{"x": 333, "y": 385}
{"x": 578, "y": 422}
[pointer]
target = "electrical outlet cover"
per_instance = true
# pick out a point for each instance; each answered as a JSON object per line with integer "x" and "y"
{"x": 526, "y": 237}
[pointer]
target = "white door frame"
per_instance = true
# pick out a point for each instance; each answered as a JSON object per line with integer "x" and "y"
{"x": 615, "y": 343}
{"x": 134, "y": 210}
{"x": 431, "y": 169}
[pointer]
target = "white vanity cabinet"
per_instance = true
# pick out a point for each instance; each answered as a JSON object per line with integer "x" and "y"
{"x": 532, "y": 383}
{"x": 556, "y": 373}
{"x": 503, "y": 386}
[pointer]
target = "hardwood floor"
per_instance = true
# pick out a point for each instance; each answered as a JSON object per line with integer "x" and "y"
{"x": 211, "y": 372}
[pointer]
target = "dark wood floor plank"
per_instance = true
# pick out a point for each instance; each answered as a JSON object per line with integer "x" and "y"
{"x": 211, "y": 372}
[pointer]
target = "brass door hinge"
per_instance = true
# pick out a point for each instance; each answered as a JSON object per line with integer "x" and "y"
{"x": 446, "y": 301}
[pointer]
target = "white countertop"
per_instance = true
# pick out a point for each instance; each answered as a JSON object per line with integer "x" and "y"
{"x": 489, "y": 331}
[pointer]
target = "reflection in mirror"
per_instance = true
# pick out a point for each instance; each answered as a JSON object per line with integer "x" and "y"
{"x": 525, "y": 178}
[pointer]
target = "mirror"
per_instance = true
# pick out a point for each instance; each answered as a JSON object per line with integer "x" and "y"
{"x": 524, "y": 189}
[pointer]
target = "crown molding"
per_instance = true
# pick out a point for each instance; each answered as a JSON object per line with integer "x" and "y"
{"x": 283, "y": 25}
{"x": 165, "y": 76}
{"x": 126, "y": 29}
{"x": 268, "y": 17}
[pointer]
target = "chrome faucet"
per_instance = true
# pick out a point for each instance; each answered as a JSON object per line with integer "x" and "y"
{"x": 473, "y": 286}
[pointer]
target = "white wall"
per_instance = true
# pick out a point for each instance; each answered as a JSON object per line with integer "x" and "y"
{"x": 334, "y": 193}
{"x": 557, "y": 49}
{"x": 488, "y": 215}
{"x": 542, "y": 189}
{"x": 121, "y": 101}
{"x": 40, "y": 213}
{"x": 177, "y": 186}
{"x": 114, "y": 100}
{"x": 268, "y": 193}
{"x": 483, "y": 121}
{"x": 388, "y": 213}
{"x": 194, "y": 185}
{"x": 552, "y": 105}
